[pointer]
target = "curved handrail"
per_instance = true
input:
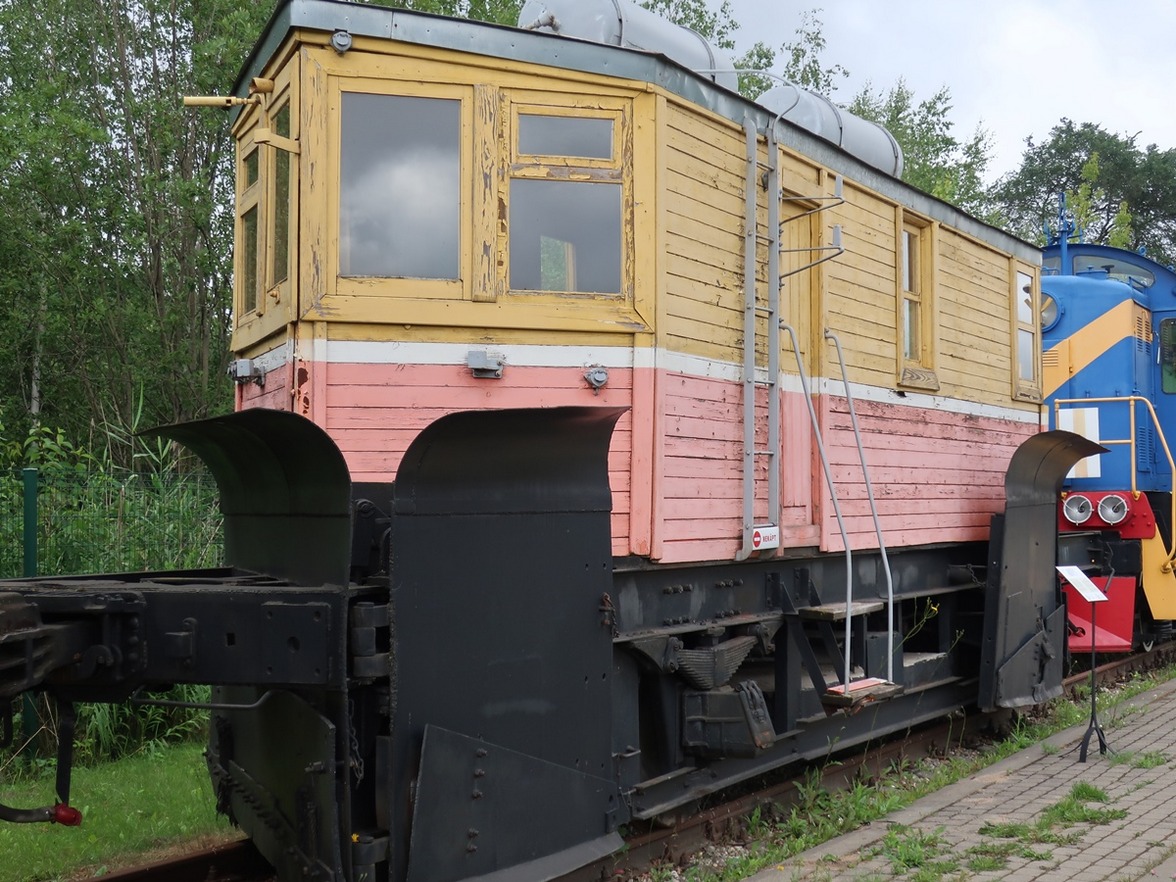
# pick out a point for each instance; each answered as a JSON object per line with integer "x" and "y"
{"x": 808, "y": 400}
{"x": 857, "y": 436}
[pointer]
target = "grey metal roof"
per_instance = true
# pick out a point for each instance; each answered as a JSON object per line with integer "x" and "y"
{"x": 498, "y": 41}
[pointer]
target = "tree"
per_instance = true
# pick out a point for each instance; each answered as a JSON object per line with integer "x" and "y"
{"x": 1107, "y": 177}
{"x": 934, "y": 160}
{"x": 804, "y": 66}
{"x": 504, "y": 12}
{"x": 116, "y": 267}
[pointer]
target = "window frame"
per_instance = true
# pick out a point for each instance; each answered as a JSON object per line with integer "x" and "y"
{"x": 616, "y": 171}
{"x": 404, "y": 286}
{"x": 1022, "y": 389}
{"x": 274, "y": 303}
{"x": 918, "y": 371}
{"x": 249, "y": 199}
{"x": 278, "y": 289}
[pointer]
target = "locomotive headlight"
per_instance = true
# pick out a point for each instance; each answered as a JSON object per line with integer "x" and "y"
{"x": 1112, "y": 508}
{"x": 1077, "y": 509}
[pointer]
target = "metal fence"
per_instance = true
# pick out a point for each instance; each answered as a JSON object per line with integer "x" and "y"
{"x": 72, "y": 522}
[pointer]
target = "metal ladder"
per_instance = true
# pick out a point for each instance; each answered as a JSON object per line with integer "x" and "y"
{"x": 766, "y": 536}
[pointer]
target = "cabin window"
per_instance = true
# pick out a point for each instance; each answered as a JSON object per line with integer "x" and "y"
{"x": 249, "y": 262}
{"x": 912, "y": 297}
{"x": 400, "y": 187}
{"x": 266, "y": 210}
{"x": 588, "y": 138}
{"x": 915, "y": 298}
{"x": 566, "y": 202}
{"x": 249, "y": 255}
{"x": 565, "y": 236}
{"x": 280, "y": 215}
{"x": 1026, "y": 335}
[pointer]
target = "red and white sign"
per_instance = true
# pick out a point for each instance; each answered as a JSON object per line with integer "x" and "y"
{"x": 766, "y": 536}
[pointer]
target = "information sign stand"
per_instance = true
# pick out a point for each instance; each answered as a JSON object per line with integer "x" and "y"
{"x": 1092, "y": 595}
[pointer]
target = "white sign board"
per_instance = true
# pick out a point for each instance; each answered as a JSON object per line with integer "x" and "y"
{"x": 1084, "y": 586}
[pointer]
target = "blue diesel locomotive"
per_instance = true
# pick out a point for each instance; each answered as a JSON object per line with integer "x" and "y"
{"x": 1109, "y": 373}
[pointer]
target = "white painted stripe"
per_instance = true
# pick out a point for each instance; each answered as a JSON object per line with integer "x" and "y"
{"x": 399, "y": 352}
{"x": 929, "y": 402}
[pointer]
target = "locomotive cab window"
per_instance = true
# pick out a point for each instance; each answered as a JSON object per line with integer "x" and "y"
{"x": 1168, "y": 355}
{"x": 279, "y": 229}
{"x": 565, "y": 221}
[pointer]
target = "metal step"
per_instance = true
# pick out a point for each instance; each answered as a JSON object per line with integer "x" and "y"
{"x": 860, "y": 691}
{"x": 835, "y": 612}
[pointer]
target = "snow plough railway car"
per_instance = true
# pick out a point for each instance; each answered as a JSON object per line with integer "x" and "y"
{"x": 604, "y": 439}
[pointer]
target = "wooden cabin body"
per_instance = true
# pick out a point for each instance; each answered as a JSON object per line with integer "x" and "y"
{"x": 936, "y": 313}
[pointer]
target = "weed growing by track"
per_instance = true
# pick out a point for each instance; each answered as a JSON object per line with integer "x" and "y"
{"x": 820, "y": 815}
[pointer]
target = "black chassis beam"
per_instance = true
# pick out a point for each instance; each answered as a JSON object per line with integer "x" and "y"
{"x": 123, "y": 633}
{"x": 825, "y": 741}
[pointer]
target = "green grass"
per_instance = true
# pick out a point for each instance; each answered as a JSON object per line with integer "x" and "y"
{"x": 1147, "y": 760}
{"x": 822, "y": 815}
{"x": 136, "y": 805}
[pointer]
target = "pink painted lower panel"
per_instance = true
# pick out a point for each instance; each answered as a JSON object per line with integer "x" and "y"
{"x": 937, "y": 476}
{"x": 676, "y": 462}
{"x": 374, "y": 411}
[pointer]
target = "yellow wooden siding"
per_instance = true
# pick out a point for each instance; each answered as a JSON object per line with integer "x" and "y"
{"x": 704, "y": 208}
{"x": 975, "y": 340}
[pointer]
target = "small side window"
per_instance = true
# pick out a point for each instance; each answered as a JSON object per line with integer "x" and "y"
{"x": 912, "y": 296}
{"x": 280, "y": 215}
{"x": 248, "y": 209}
{"x": 565, "y": 236}
{"x": 1026, "y": 336}
{"x": 1026, "y": 330}
{"x": 915, "y": 294}
{"x": 589, "y": 138}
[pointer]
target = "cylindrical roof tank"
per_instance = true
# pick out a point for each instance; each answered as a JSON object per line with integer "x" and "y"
{"x": 868, "y": 141}
{"x": 624, "y": 23}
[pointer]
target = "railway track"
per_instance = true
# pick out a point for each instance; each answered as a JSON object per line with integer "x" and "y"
{"x": 718, "y": 823}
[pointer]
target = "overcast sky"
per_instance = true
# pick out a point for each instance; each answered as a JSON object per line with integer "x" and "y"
{"x": 1016, "y": 67}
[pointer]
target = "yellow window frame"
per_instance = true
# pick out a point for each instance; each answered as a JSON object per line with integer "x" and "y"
{"x": 255, "y": 313}
{"x": 405, "y": 287}
{"x": 918, "y": 264}
{"x": 248, "y": 299}
{"x": 616, "y": 171}
{"x": 1025, "y": 321}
